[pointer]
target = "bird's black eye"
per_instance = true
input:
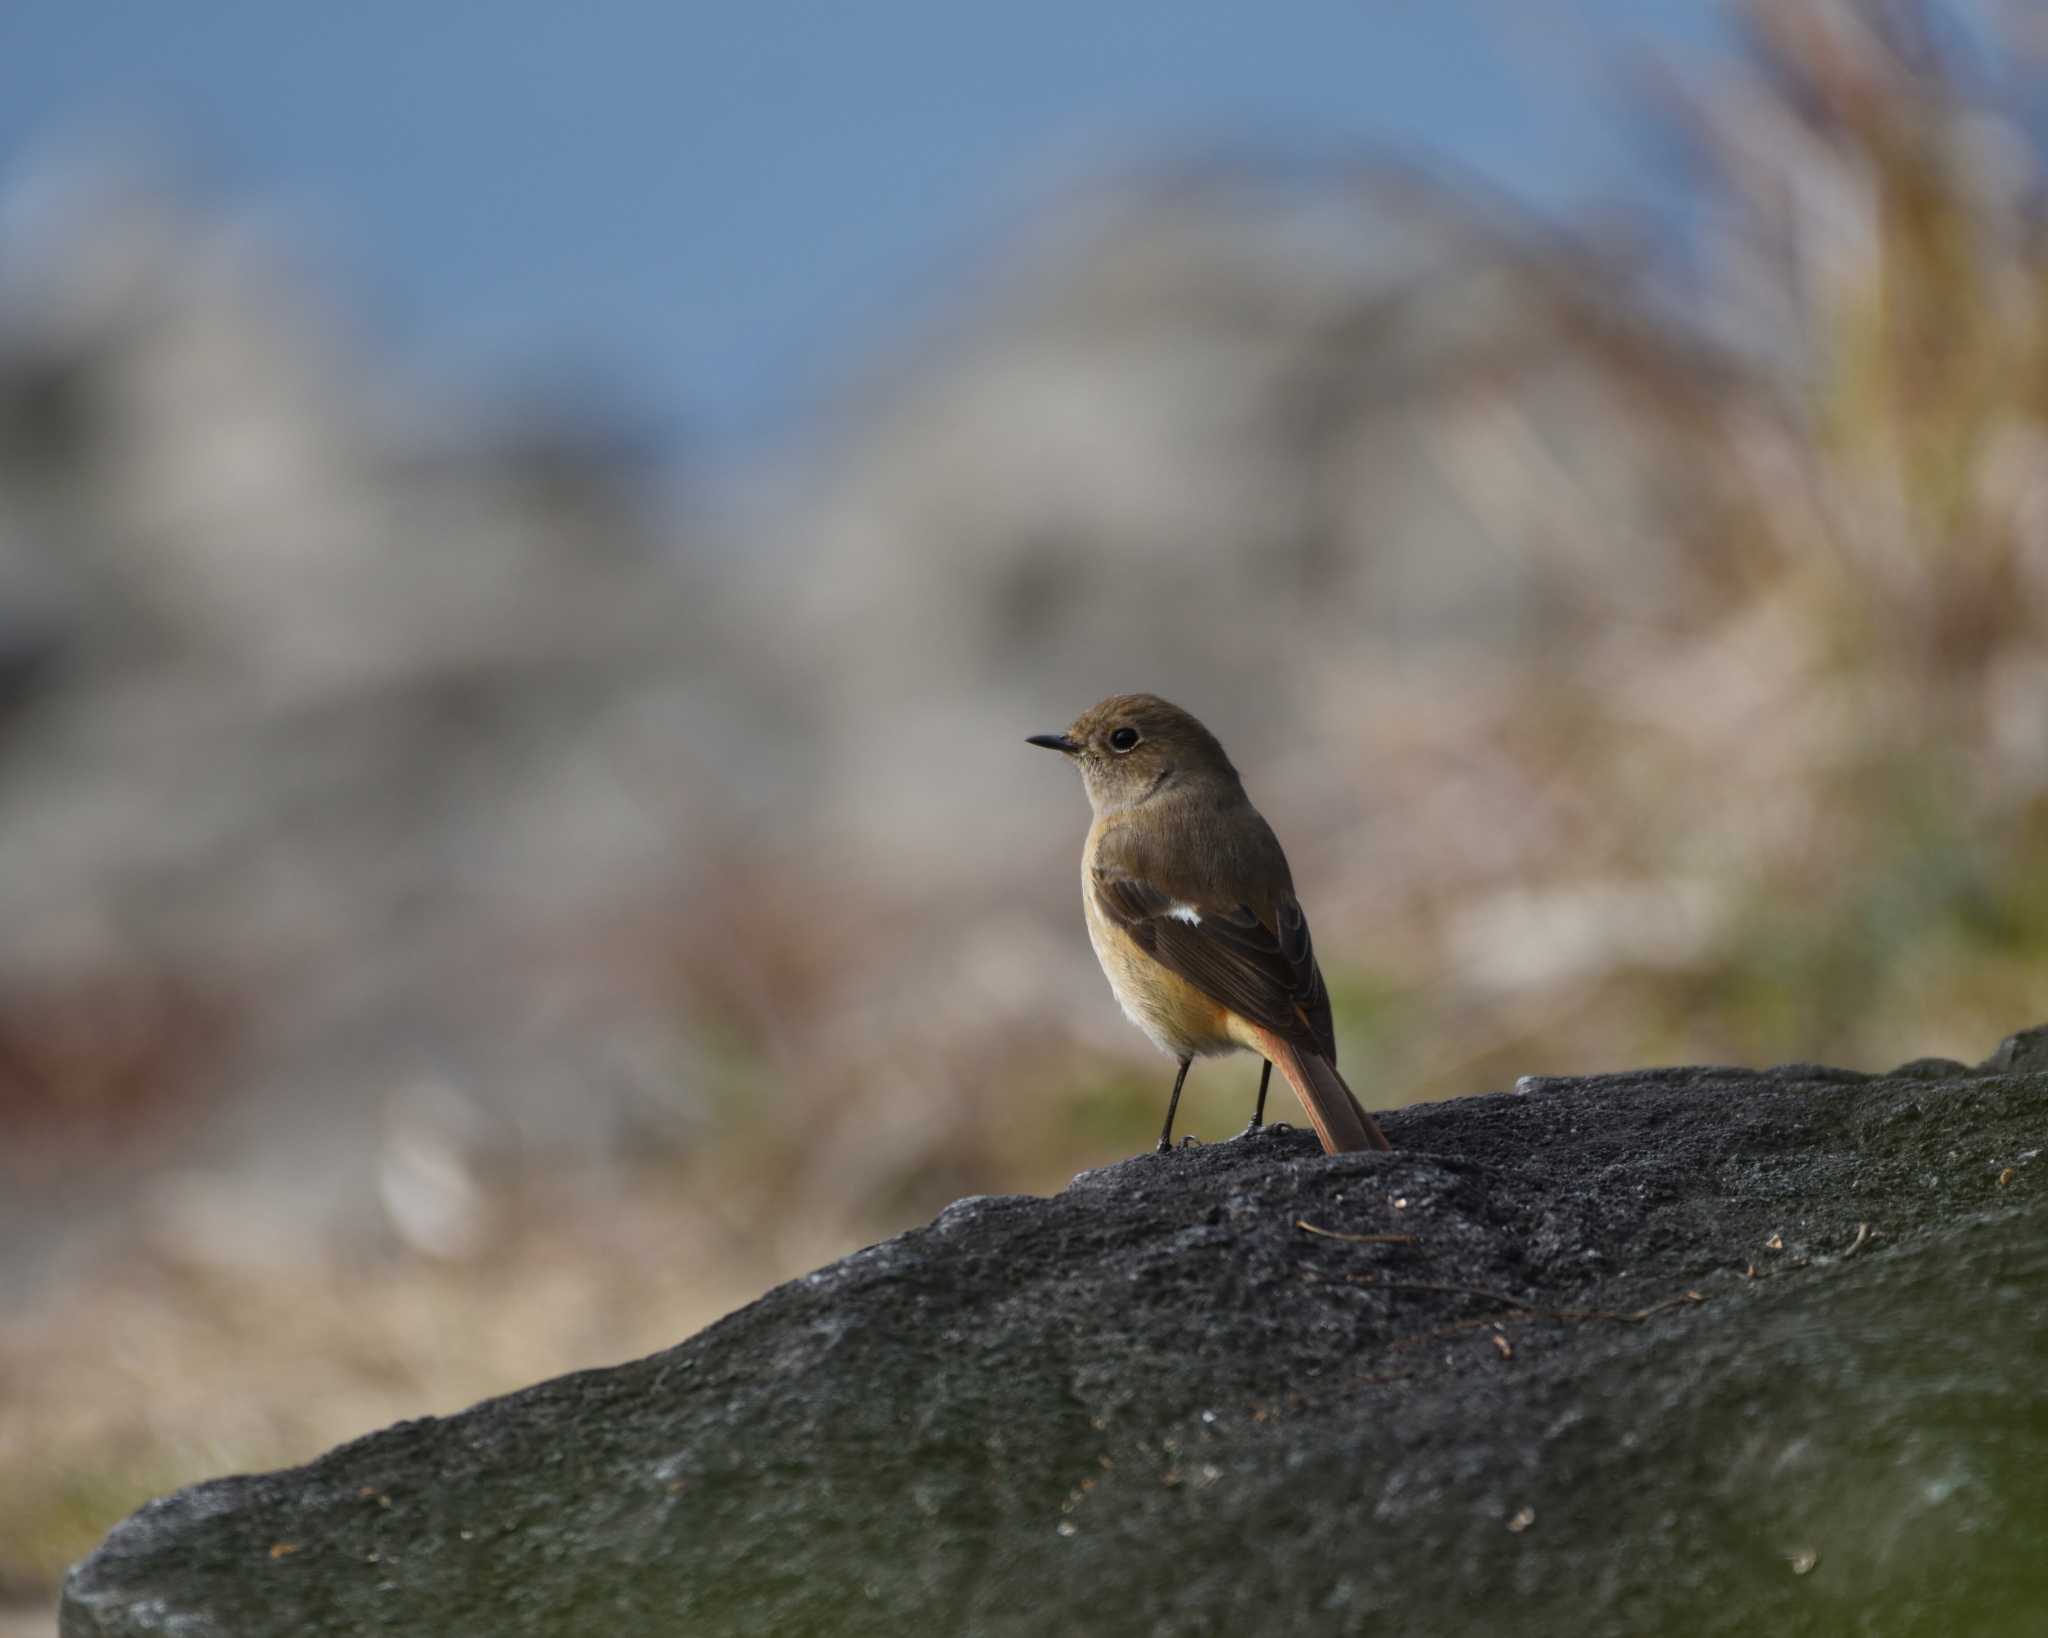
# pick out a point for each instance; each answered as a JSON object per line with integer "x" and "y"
{"x": 1123, "y": 739}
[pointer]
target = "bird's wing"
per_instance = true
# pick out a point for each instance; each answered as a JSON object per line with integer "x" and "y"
{"x": 1261, "y": 967}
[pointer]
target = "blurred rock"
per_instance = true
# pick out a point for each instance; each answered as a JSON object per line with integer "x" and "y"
{"x": 1228, "y": 431}
{"x": 1702, "y": 1352}
{"x": 2027, "y": 1050}
{"x": 342, "y": 719}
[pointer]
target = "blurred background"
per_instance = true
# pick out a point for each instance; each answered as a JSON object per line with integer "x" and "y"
{"x": 531, "y": 539}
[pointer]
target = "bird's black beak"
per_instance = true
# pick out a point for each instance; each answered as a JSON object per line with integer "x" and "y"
{"x": 1055, "y": 742}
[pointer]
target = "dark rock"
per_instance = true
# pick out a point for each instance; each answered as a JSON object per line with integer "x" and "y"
{"x": 1825, "y": 1073}
{"x": 2026, "y": 1050}
{"x": 1930, "y": 1069}
{"x": 1724, "y": 1352}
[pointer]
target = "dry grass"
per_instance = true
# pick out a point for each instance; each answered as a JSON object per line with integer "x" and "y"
{"x": 1784, "y": 797}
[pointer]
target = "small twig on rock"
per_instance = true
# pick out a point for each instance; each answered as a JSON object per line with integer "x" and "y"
{"x": 1357, "y": 1239}
{"x": 1857, "y": 1244}
{"x": 1524, "y": 1310}
{"x": 1684, "y": 1299}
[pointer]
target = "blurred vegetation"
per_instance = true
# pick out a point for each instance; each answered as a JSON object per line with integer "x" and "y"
{"x": 1768, "y": 786}
{"x": 1825, "y": 748}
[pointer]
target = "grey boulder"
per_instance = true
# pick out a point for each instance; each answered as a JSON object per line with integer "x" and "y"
{"x": 1681, "y": 1351}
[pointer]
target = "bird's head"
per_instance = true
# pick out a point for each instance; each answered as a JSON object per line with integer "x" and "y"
{"x": 1131, "y": 747}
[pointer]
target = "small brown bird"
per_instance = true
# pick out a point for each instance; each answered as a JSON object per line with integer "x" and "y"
{"x": 1192, "y": 913}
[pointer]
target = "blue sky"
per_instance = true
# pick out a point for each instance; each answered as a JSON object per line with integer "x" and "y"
{"x": 719, "y": 207}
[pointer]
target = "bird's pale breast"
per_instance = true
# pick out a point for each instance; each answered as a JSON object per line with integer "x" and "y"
{"x": 1180, "y": 1019}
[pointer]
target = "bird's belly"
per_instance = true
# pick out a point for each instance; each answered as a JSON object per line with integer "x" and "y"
{"x": 1180, "y": 1019}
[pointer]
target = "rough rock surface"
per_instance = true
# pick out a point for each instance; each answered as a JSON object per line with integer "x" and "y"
{"x": 1684, "y": 1351}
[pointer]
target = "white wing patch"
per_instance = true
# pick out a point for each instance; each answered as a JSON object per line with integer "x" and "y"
{"x": 1187, "y": 913}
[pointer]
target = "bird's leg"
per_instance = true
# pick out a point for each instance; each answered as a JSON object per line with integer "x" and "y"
{"x": 1173, "y": 1103}
{"x": 1259, "y": 1114}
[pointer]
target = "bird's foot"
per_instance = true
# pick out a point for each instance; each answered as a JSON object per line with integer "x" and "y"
{"x": 1190, "y": 1143}
{"x": 1259, "y": 1126}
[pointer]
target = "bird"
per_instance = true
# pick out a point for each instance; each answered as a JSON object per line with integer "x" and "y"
{"x": 1192, "y": 913}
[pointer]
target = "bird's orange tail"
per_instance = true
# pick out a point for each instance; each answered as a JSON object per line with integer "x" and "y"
{"x": 1339, "y": 1119}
